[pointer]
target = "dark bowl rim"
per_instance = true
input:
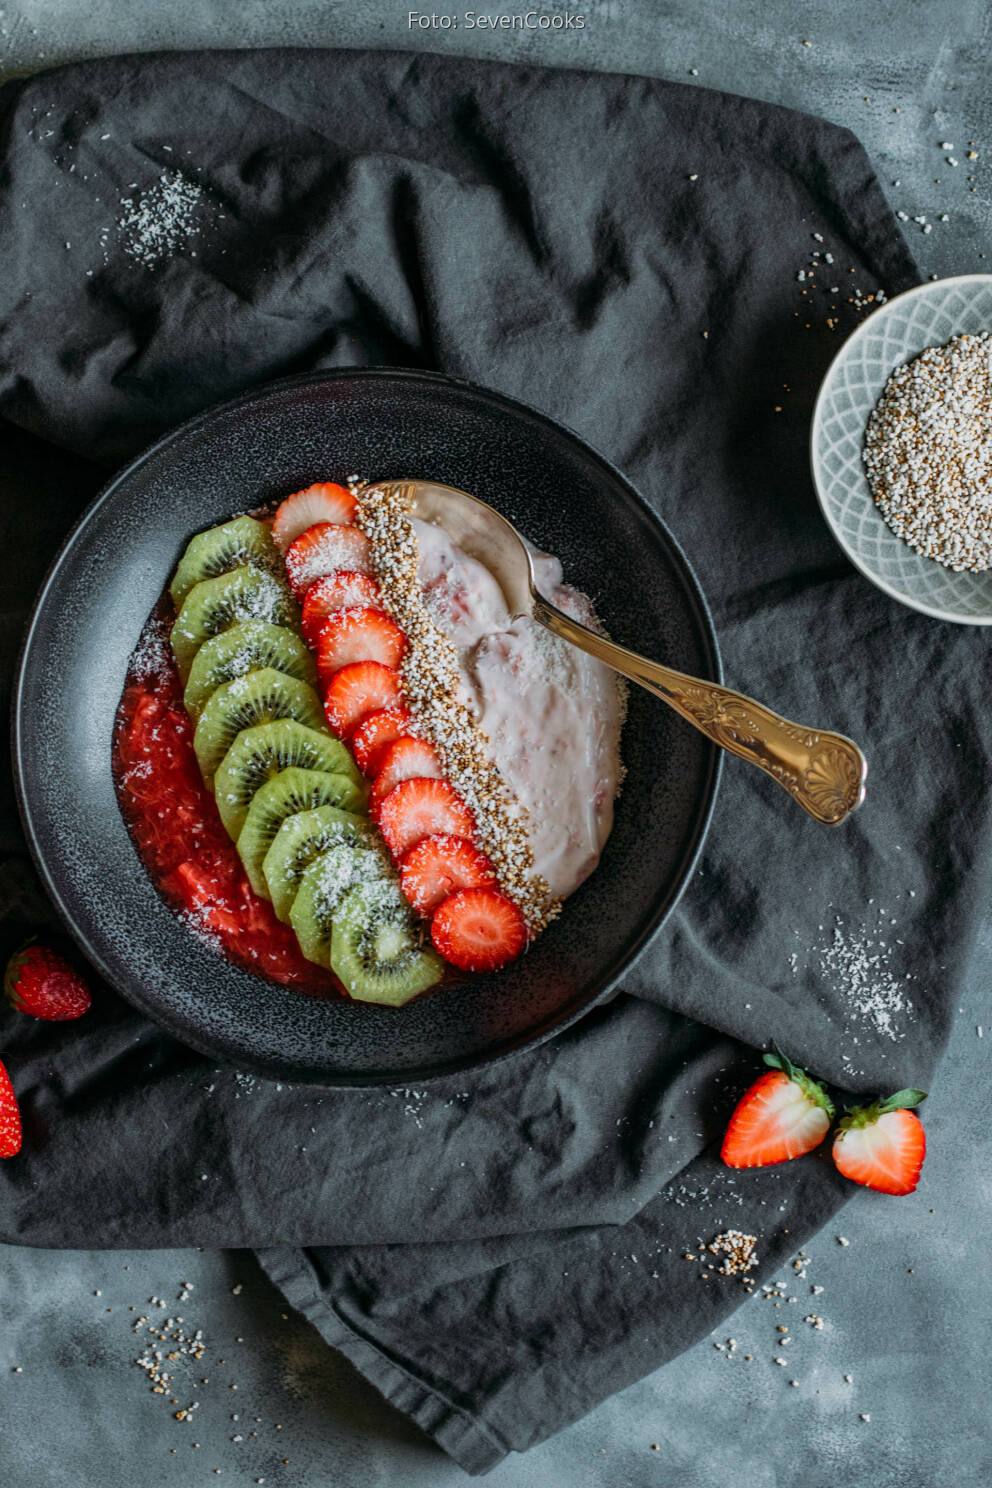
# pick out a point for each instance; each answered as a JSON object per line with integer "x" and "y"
{"x": 283, "y": 1070}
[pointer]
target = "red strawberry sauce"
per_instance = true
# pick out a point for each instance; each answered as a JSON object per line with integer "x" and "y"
{"x": 177, "y": 829}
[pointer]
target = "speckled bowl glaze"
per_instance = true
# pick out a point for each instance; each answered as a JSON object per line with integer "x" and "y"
{"x": 110, "y": 573}
{"x": 926, "y": 316}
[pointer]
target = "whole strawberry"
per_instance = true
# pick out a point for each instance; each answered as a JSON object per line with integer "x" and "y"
{"x": 10, "y": 1117}
{"x": 783, "y": 1115}
{"x": 882, "y": 1146}
{"x": 41, "y": 982}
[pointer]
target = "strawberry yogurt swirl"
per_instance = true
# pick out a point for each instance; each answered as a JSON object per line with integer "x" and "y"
{"x": 525, "y": 727}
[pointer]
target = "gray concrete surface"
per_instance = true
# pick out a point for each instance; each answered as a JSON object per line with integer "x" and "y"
{"x": 906, "y": 1305}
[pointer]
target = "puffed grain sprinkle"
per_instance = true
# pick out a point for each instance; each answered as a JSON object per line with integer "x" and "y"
{"x": 928, "y": 453}
{"x": 738, "y": 1252}
{"x": 430, "y": 676}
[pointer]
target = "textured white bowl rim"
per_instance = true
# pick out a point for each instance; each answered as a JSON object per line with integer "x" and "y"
{"x": 872, "y": 320}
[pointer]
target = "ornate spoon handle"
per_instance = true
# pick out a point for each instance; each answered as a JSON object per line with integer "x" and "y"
{"x": 824, "y": 772}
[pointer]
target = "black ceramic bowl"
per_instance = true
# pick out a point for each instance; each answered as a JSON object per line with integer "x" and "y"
{"x": 110, "y": 573}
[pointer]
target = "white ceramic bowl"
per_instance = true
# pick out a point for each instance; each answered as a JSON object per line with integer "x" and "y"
{"x": 926, "y": 316}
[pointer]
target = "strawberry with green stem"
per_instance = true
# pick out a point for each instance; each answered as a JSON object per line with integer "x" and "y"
{"x": 783, "y": 1115}
{"x": 882, "y": 1146}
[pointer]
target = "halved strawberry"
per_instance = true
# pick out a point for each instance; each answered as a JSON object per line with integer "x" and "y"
{"x": 344, "y": 589}
{"x": 478, "y": 930}
{"x": 368, "y": 742}
{"x": 438, "y": 866}
{"x": 10, "y": 1117}
{"x": 419, "y": 808}
{"x": 357, "y": 635}
{"x": 784, "y": 1114}
{"x": 324, "y": 502}
{"x": 406, "y": 758}
{"x": 882, "y": 1146}
{"x": 322, "y": 549}
{"x": 359, "y": 688}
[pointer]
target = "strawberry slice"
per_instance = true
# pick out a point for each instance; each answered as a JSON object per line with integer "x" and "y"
{"x": 376, "y": 730}
{"x": 478, "y": 930}
{"x": 322, "y": 549}
{"x": 882, "y": 1146}
{"x": 357, "y": 689}
{"x": 357, "y": 635}
{"x": 438, "y": 866}
{"x": 41, "y": 982}
{"x": 419, "y": 808}
{"x": 324, "y": 502}
{"x": 406, "y": 758}
{"x": 784, "y": 1114}
{"x": 10, "y": 1117}
{"x": 341, "y": 590}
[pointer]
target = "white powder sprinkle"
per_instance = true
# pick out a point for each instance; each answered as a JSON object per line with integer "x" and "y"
{"x": 158, "y": 223}
{"x": 151, "y": 659}
{"x": 858, "y": 964}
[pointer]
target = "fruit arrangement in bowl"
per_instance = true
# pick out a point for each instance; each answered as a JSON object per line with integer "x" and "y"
{"x": 128, "y": 840}
{"x": 344, "y": 761}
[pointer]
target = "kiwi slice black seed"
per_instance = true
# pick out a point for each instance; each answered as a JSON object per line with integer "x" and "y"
{"x": 260, "y": 753}
{"x": 214, "y": 605}
{"x": 234, "y": 544}
{"x": 245, "y": 648}
{"x": 322, "y": 888}
{"x": 257, "y": 697}
{"x": 377, "y": 946}
{"x": 300, "y": 840}
{"x": 284, "y": 795}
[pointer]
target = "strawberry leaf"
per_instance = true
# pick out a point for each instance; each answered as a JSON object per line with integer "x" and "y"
{"x": 903, "y": 1100}
{"x": 780, "y": 1061}
{"x": 811, "y": 1088}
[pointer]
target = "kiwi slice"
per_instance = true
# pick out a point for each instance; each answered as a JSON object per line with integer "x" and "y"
{"x": 377, "y": 946}
{"x": 232, "y": 545}
{"x": 259, "y": 753}
{"x": 299, "y": 840}
{"x": 257, "y": 697}
{"x": 214, "y": 605}
{"x": 322, "y": 888}
{"x": 284, "y": 795}
{"x": 245, "y": 648}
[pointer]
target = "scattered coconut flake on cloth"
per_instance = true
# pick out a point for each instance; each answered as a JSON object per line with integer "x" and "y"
{"x": 158, "y": 223}
{"x": 857, "y": 962}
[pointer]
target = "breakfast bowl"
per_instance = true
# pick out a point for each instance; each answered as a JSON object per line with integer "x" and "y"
{"x": 108, "y": 578}
{"x": 927, "y": 316}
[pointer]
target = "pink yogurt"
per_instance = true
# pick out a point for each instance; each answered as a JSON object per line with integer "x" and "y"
{"x": 552, "y": 715}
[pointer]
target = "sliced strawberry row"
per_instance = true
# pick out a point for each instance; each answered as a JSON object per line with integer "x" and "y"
{"x": 426, "y": 825}
{"x": 341, "y": 590}
{"x": 420, "y": 808}
{"x": 325, "y": 502}
{"x": 375, "y": 732}
{"x": 478, "y": 930}
{"x": 358, "y": 689}
{"x": 323, "y": 549}
{"x": 406, "y": 758}
{"x": 357, "y": 635}
{"x": 438, "y": 866}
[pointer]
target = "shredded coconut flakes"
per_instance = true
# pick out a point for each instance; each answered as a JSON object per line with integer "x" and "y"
{"x": 158, "y": 223}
